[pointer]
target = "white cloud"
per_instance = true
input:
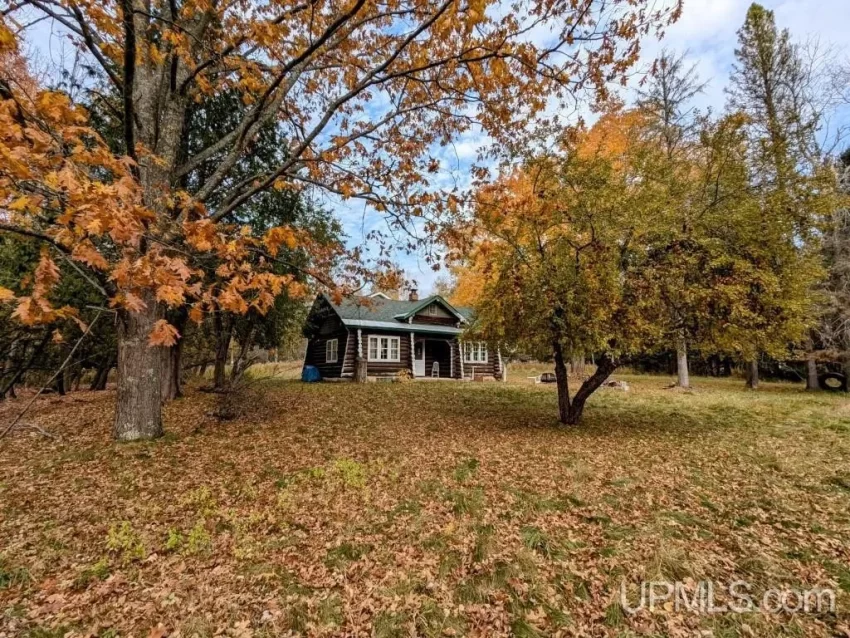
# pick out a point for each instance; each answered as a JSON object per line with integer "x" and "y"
{"x": 708, "y": 31}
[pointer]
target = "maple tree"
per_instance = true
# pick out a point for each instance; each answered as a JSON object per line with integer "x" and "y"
{"x": 362, "y": 91}
{"x": 557, "y": 251}
{"x": 588, "y": 250}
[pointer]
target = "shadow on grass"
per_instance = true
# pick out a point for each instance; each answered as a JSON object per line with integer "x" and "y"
{"x": 515, "y": 407}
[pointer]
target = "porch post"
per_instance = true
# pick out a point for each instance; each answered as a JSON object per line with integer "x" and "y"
{"x": 501, "y": 365}
{"x": 412, "y": 357}
{"x": 451, "y": 359}
{"x": 361, "y": 367}
{"x": 460, "y": 356}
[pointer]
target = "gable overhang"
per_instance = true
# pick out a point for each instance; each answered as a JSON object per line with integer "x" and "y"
{"x": 427, "y": 302}
{"x": 315, "y": 308}
{"x": 402, "y": 327}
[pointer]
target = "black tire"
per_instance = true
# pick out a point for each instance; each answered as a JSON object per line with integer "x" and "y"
{"x": 833, "y": 382}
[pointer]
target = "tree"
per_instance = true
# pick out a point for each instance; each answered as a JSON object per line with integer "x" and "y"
{"x": 361, "y": 91}
{"x": 754, "y": 291}
{"x": 572, "y": 254}
{"x": 671, "y": 127}
{"x": 772, "y": 85}
{"x": 559, "y": 255}
{"x": 834, "y": 330}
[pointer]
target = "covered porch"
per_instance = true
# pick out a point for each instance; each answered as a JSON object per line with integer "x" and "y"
{"x": 433, "y": 357}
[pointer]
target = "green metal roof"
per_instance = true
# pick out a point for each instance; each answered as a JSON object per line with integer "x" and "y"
{"x": 379, "y": 308}
{"x": 424, "y": 303}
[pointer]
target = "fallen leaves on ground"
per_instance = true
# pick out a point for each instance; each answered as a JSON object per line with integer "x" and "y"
{"x": 426, "y": 509}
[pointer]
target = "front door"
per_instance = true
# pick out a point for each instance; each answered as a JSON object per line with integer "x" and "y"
{"x": 419, "y": 359}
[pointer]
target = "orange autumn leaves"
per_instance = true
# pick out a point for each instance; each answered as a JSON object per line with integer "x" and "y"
{"x": 35, "y": 308}
{"x": 553, "y": 227}
{"x": 62, "y": 185}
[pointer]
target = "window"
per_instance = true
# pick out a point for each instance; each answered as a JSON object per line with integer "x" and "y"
{"x": 431, "y": 310}
{"x": 383, "y": 349}
{"x": 331, "y": 350}
{"x": 474, "y": 352}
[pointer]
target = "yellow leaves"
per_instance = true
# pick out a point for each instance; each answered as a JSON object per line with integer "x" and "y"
{"x": 157, "y": 56}
{"x": 86, "y": 253}
{"x": 46, "y": 275}
{"x": 128, "y": 301}
{"x": 346, "y": 190}
{"x": 170, "y": 295}
{"x": 201, "y": 235}
{"x": 163, "y": 334}
{"x": 26, "y": 203}
{"x": 27, "y": 312}
{"x": 613, "y": 134}
{"x": 283, "y": 184}
{"x": 57, "y": 106}
{"x": 6, "y": 295}
{"x": 33, "y": 311}
{"x": 279, "y": 236}
{"x": 232, "y": 301}
{"x": 499, "y": 69}
{"x": 8, "y": 41}
{"x": 196, "y": 313}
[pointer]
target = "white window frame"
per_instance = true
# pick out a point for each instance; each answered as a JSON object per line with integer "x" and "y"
{"x": 380, "y": 348}
{"x": 329, "y": 350}
{"x": 431, "y": 310}
{"x": 475, "y": 352}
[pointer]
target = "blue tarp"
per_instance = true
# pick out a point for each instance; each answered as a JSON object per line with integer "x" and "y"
{"x": 310, "y": 374}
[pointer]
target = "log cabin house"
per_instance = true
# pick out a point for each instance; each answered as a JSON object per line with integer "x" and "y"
{"x": 424, "y": 336}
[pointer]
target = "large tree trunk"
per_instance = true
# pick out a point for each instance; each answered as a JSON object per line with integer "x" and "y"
{"x": 138, "y": 410}
{"x": 683, "y": 377}
{"x": 154, "y": 115}
{"x": 753, "y": 374}
{"x": 170, "y": 375}
{"x": 571, "y": 410}
{"x": 604, "y": 369}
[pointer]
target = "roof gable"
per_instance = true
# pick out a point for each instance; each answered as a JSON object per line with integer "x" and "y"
{"x": 424, "y": 303}
{"x": 392, "y": 311}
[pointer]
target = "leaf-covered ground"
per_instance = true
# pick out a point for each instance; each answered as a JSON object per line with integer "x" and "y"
{"x": 424, "y": 509}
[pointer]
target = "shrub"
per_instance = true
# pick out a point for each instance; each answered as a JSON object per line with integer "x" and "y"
{"x": 125, "y": 542}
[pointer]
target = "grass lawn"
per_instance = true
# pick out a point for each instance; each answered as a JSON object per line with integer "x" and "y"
{"x": 425, "y": 509}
